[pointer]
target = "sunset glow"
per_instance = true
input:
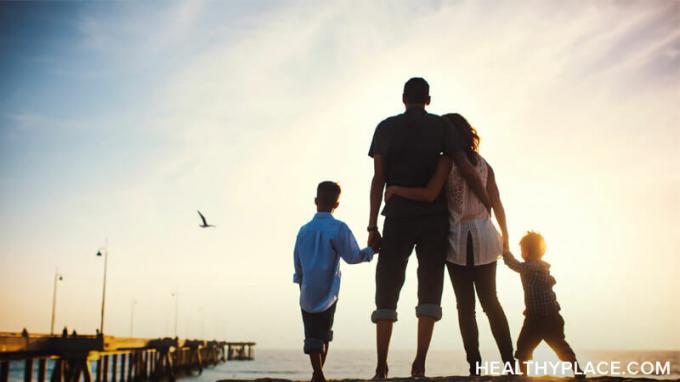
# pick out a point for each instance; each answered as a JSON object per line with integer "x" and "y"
{"x": 120, "y": 120}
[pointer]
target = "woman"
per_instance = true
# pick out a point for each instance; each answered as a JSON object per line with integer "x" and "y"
{"x": 475, "y": 244}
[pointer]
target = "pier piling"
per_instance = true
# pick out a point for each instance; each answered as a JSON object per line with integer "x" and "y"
{"x": 117, "y": 359}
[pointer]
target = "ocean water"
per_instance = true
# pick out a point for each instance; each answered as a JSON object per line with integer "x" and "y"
{"x": 293, "y": 364}
{"x": 341, "y": 364}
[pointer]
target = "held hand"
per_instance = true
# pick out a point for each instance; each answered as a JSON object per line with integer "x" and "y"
{"x": 374, "y": 240}
{"x": 376, "y": 247}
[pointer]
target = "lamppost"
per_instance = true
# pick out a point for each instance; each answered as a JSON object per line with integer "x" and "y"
{"x": 132, "y": 316}
{"x": 176, "y": 296}
{"x": 57, "y": 278}
{"x": 105, "y": 254}
{"x": 202, "y": 312}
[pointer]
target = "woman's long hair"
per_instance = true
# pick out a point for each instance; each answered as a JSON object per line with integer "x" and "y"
{"x": 467, "y": 134}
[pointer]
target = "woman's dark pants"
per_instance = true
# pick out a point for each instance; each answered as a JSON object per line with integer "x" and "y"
{"x": 465, "y": 280}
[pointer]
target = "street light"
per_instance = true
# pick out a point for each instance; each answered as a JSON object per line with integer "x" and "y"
{"x": 176, "y": 296}
{"x": 105, "y": 254}
{"x": 202, "y": 311}
{"x": 132, "y": 316}
{"x": 57, "y": 278}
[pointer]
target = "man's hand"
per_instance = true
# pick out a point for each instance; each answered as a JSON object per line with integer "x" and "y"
{"x": 374, "y": 240}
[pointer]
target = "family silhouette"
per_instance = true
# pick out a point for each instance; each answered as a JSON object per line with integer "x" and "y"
{"x": 439, "y": 198}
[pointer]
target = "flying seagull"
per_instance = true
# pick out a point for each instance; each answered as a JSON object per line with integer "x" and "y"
{"x": 205, "y": 223}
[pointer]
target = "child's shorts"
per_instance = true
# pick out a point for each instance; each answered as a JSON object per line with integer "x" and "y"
{"x": 543, "y": 328}
{"x": 318, "y": 329}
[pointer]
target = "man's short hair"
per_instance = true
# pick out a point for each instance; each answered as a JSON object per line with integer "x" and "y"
{"x": 533, "y": 244}
{"x": 327, "y": 193}
{"x": 416, "y": 90}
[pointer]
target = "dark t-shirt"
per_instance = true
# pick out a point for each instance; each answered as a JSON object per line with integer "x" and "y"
{"x": 410, "y": 145}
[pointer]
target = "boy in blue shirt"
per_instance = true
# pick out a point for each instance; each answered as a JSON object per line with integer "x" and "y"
{"x": 319, "y": 246}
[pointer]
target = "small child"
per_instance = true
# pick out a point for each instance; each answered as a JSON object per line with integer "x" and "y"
{"x": 319, "y": 246}
{"x": 542, "y": 319}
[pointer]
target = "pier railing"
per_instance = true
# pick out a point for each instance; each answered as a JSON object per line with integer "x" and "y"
{"x": 111, "y": 359}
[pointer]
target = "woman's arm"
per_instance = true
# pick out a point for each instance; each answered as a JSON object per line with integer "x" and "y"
{"x": 497, "y": 206}
{"x": 433, "y": 188}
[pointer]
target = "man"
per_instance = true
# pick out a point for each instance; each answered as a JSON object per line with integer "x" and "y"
{"x": 407, "y": 150}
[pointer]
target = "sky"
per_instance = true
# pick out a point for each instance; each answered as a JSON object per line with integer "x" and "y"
{"x": 118, "y": 120}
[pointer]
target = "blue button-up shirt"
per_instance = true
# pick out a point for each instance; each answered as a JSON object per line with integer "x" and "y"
{"x": 319, "y": 246}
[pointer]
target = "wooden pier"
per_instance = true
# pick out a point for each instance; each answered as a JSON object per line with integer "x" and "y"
{"x": 115, "y": 359}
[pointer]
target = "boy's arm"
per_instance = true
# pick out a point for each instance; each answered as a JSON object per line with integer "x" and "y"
{"x": 542, "y": 276}
{"x": 511, "y": 261}
{"x": 433, "y": 188}
{"x": 297, "y": 276}
{"x": 347, "y": 248}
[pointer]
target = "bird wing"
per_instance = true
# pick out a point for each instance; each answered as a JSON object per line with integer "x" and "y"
{"x": 202, "y": 218}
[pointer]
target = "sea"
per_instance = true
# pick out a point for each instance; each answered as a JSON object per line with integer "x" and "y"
{"x": 292, "y": 364}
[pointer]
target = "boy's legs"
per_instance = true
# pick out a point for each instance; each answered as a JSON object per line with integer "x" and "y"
{"x": 397, "y": 244}
{"x": 325, "y": 353}
{"x": 485, "y": 283}
{"x": 554, "y": 337}
{"x": 318, "y": 333}
{"x": 329, "y": 318}
{"x": 317, "y": 367}
{"x": 431, "y": 250}
{"x": 529, "y": 338}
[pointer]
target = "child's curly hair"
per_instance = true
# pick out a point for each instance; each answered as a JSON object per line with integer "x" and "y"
{"x": 533, "y": 244}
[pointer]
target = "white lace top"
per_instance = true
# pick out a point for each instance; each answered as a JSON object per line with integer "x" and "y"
{"x": 468, "y": 214}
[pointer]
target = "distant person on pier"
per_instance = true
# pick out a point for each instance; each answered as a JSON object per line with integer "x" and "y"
{"x": 320, "y": 245}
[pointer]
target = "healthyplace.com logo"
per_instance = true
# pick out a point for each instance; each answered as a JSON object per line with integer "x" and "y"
{"x": 612, "y": 368}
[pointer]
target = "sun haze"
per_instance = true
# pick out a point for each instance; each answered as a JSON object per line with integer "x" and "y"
{"x": 120, "y": 120}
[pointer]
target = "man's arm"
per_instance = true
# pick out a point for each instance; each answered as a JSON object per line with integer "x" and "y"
{"x": 434, "y": 186}
{"x": 377, "y": 187}
{"x": 471, "y": 177}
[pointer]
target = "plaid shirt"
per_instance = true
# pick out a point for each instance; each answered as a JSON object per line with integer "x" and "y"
{"x": 539, "y": 298}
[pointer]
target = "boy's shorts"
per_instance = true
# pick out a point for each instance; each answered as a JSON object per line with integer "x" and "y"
{"x": 318, "y": 329}
{"x": 538, "y": 328}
